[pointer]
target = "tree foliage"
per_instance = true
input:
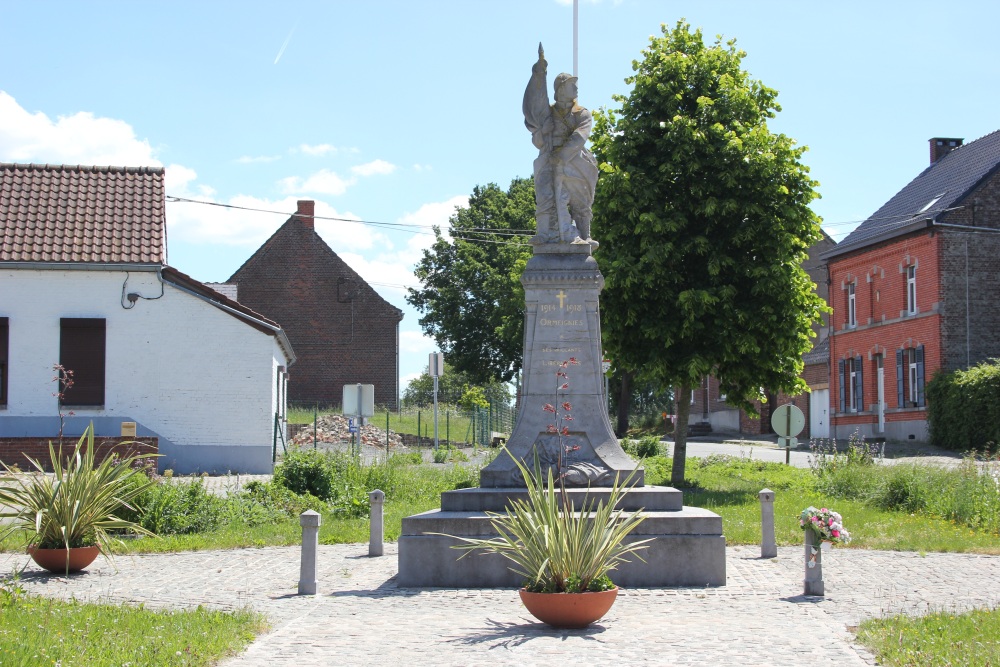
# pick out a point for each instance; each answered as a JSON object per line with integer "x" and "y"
{"x": 471, "y": 297}
{"x": 704, "y": 221}
{"x": 456, "y": 388}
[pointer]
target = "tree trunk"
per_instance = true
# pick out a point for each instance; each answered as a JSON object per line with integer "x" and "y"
{"x": 681, "y": 435}
{"x": 624, "y": 404}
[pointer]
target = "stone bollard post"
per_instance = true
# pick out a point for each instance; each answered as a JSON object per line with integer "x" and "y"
{"x": 814, "y": 564}
{"x": 309, "y": 520}
{"x": 768, "y": 545}
{"x": 377, "y": 499}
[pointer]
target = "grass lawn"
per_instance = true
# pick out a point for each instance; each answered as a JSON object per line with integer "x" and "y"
{"x": 42, "y": 631}
{"x": 940, "y": 638}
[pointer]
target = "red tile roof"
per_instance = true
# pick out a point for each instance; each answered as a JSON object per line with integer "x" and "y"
{"x": 67, "y": 213}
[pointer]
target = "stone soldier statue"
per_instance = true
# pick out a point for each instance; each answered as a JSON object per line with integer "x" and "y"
{"x": 565, "y": 171}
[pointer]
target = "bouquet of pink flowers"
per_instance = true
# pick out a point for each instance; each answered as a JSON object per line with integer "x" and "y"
{"x": 826, "y": 524}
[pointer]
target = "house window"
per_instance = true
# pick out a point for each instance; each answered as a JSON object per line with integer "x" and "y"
{"x": 910, "y": 377}
{"x": 911, "y": 290}
{"x": 81, "y": 350}
{"x": 851, "y": 385}
{"x": 852, "y": 315}
{"x": 4, "y": 355}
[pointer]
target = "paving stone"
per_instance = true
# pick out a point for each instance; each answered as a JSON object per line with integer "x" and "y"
{"x": 361, "y": 617}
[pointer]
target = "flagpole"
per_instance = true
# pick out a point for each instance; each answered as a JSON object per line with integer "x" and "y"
{"x": 576, "y": 30}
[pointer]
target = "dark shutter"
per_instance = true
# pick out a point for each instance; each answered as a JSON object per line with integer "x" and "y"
{"x": 81, "y": 350}
{"x": 4, "y": 355}
{"x": 900, "y": 374}
{"x": 840, "y": 370}
{"x": 859, "y": 387}
{"x": 920, "y": 377}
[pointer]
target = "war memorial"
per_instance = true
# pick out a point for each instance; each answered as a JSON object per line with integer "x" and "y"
{"x": 562, "y": 367}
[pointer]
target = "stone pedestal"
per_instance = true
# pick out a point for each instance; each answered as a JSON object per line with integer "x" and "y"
{"x": 562, "y": 322}
{"x": 813, "y": 582}
{"x": 687, "y": 547}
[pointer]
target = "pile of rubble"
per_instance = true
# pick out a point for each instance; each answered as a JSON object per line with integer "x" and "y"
{"x": 334, "y": 429}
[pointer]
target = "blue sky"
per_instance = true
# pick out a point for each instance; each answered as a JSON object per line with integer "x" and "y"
{"x": 392, "y": 111}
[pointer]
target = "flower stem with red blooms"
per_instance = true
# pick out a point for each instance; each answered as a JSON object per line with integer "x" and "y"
{"x": 562, "y": 411}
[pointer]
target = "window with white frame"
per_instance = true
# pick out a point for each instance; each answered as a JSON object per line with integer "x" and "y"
{"x": 852, "y": 314}
{"x": 851, "y": 385}
{"x": 910, "y": 375}
{"x": 911, "y": 289}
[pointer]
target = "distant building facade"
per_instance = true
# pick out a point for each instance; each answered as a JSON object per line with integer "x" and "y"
{"x": 343, "y": 332}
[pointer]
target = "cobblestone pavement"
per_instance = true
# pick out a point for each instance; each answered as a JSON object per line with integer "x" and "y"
{"x": 360, "y": 617}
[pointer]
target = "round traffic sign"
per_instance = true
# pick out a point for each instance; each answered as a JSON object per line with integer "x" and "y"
{"x": 787, "y": 420}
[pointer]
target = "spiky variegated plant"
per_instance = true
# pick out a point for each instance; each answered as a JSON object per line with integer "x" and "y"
{"x": 78, "y": 504}
{"x": 557, "y": 549}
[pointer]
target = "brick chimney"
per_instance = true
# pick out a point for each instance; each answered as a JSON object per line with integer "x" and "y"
{"x": 941, "y": 146}
{"x": 306, "y": 211}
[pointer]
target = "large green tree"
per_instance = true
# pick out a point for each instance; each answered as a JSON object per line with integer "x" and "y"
{"x": 471, "y": 296}
{"x": 704, "y": 221}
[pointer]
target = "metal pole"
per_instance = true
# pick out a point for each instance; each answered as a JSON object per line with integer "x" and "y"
{"x": 447, "y": 426}
{"x": 315, "y": 420}
{"x": 418, "y": 429}
{"x": 357, "y": 436}
{"x": 788, "y": 435}
{"x": 435, "y": 412}
{"x": 576, "y": 40}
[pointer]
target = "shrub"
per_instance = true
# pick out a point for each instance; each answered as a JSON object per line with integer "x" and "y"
{"x": 406, "y": 458}
{"x": 963, "y": 408}
{"x": 645, "y": 447}
{"x": 306, "y": 471}
{"x": 179, "y": 508}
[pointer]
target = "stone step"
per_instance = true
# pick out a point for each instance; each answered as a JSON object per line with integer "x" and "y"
{"x": 699, "y": 428}
{"x": 649, "y": 498}
{"x": 686, "y": 521}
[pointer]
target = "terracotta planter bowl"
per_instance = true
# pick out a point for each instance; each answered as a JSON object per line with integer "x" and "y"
{"x": 569, "y": 610}
{"x": 54, "y": 560}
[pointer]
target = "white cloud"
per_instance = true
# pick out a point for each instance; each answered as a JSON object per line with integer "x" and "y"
{"x": 317, "y": 150}
{"x": 435, "y": 213}
{"x": 177, "y": 177}
{"x": 415, "y": 342}
{"x": 379, "y": 167}
{"x": 422, "y": 167}
{"x": 80, "y": 138}
{"x": 252, "y": 159}
{"x": 323, "y": 181}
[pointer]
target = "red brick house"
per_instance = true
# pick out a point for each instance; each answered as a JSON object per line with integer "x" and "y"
{"x": 343, "y": 332}
{"x": 914, "y": 291}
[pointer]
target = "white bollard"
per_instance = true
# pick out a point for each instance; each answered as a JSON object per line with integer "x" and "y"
{"x": 768, "y": 545}
{"x": 814, "y": 564}
{"x": 309, "y": 520}
{"x": 377, "y": 499}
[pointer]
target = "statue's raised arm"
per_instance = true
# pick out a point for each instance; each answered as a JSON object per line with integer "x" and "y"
{"x": 536, "y": 103}
{"x": 565, "y": 171}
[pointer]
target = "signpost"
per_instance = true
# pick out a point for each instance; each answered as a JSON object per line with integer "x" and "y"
{"x": 787, "y": 421}
{"x": 359, "y": 400}
{"x": 435, "y": 368}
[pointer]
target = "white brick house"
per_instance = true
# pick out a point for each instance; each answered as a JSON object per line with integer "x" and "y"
{"x": 84, "y": 283}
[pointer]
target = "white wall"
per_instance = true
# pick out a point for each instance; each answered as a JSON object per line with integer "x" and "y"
{"x": 196, "y": 376}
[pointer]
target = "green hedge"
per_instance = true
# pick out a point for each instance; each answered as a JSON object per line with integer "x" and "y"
{"x": 963, "y": 408}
